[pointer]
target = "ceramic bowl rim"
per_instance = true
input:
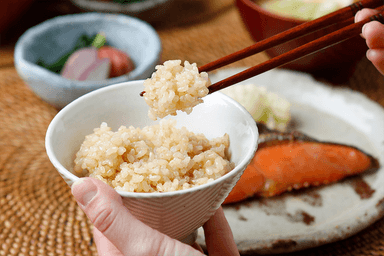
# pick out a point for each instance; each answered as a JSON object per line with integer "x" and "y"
{"x": 135, "y": 7}
{"x": 68, "y": 174}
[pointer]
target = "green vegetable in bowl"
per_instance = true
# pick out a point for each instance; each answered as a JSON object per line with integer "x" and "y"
{"x": 97, "y": 62}
{"x": 57, "y": 66}
{"x": 84, "y": 64}
{"x": 91, "y": 59}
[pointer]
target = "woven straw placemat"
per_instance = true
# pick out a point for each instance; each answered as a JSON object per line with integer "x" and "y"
{"x": 38, "y": 215}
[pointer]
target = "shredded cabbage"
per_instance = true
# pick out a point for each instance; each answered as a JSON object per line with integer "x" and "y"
{"x": 264, "y": 106}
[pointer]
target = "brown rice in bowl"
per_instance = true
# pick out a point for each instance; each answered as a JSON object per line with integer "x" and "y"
{"x": 174, "y": 87}
{"x": 157, "y": 158}
{"x": 177, "y": 213}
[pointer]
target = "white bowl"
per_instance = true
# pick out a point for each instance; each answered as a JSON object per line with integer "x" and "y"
{"x": 177, "y": 214}
{"x": 53, "y": 38}
{"x": 148, "y": 10}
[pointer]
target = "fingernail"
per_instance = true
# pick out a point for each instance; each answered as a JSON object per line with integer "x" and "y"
{"x": 369, "y": 54}
{"x": 362, "y": 30}
{"x": 357, "y": 16}
{"x": 84, "y": 191}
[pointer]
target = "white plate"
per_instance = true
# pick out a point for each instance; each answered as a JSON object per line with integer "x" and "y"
{"x": 316, "y": 216}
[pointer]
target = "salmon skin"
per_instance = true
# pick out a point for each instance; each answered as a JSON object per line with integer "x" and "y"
{"x": 293, "y": 160}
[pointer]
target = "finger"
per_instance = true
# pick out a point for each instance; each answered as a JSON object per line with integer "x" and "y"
{"x": 373, "y": 32}
{"x": 197, "y": 247}
{"x": 364, "y": 14}
{"x": 103, "y": 206}
{"x": 376, "y": 56}
{"x": 104, "y": 246}
{"x": 218, "y": 236}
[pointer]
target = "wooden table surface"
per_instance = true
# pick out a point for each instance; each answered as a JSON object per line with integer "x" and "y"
{"x": 37, "y": 213}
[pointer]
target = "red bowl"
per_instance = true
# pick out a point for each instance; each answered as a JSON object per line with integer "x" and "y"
{"x": 10, "y": 11}
{"x": 338, "y": 60}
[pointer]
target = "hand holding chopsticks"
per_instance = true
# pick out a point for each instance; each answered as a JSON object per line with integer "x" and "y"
{"x": 344, "y": 16}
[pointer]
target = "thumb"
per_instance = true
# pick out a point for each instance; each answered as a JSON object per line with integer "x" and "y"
{"x": 104, "y": 207}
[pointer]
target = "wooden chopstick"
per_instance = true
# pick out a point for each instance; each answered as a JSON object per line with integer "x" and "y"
{"x": 303, "y": 29}
{"x": 297, "y": 53}
{"x": 342, "y": 16}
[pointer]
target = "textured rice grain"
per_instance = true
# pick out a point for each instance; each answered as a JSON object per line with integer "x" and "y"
{"x": 174, "y": 87}
{"x": 156, "y": 158}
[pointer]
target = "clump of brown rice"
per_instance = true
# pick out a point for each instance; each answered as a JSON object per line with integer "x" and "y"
{"x": 174, "y": 87}
{"x": 156, "y": 158}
